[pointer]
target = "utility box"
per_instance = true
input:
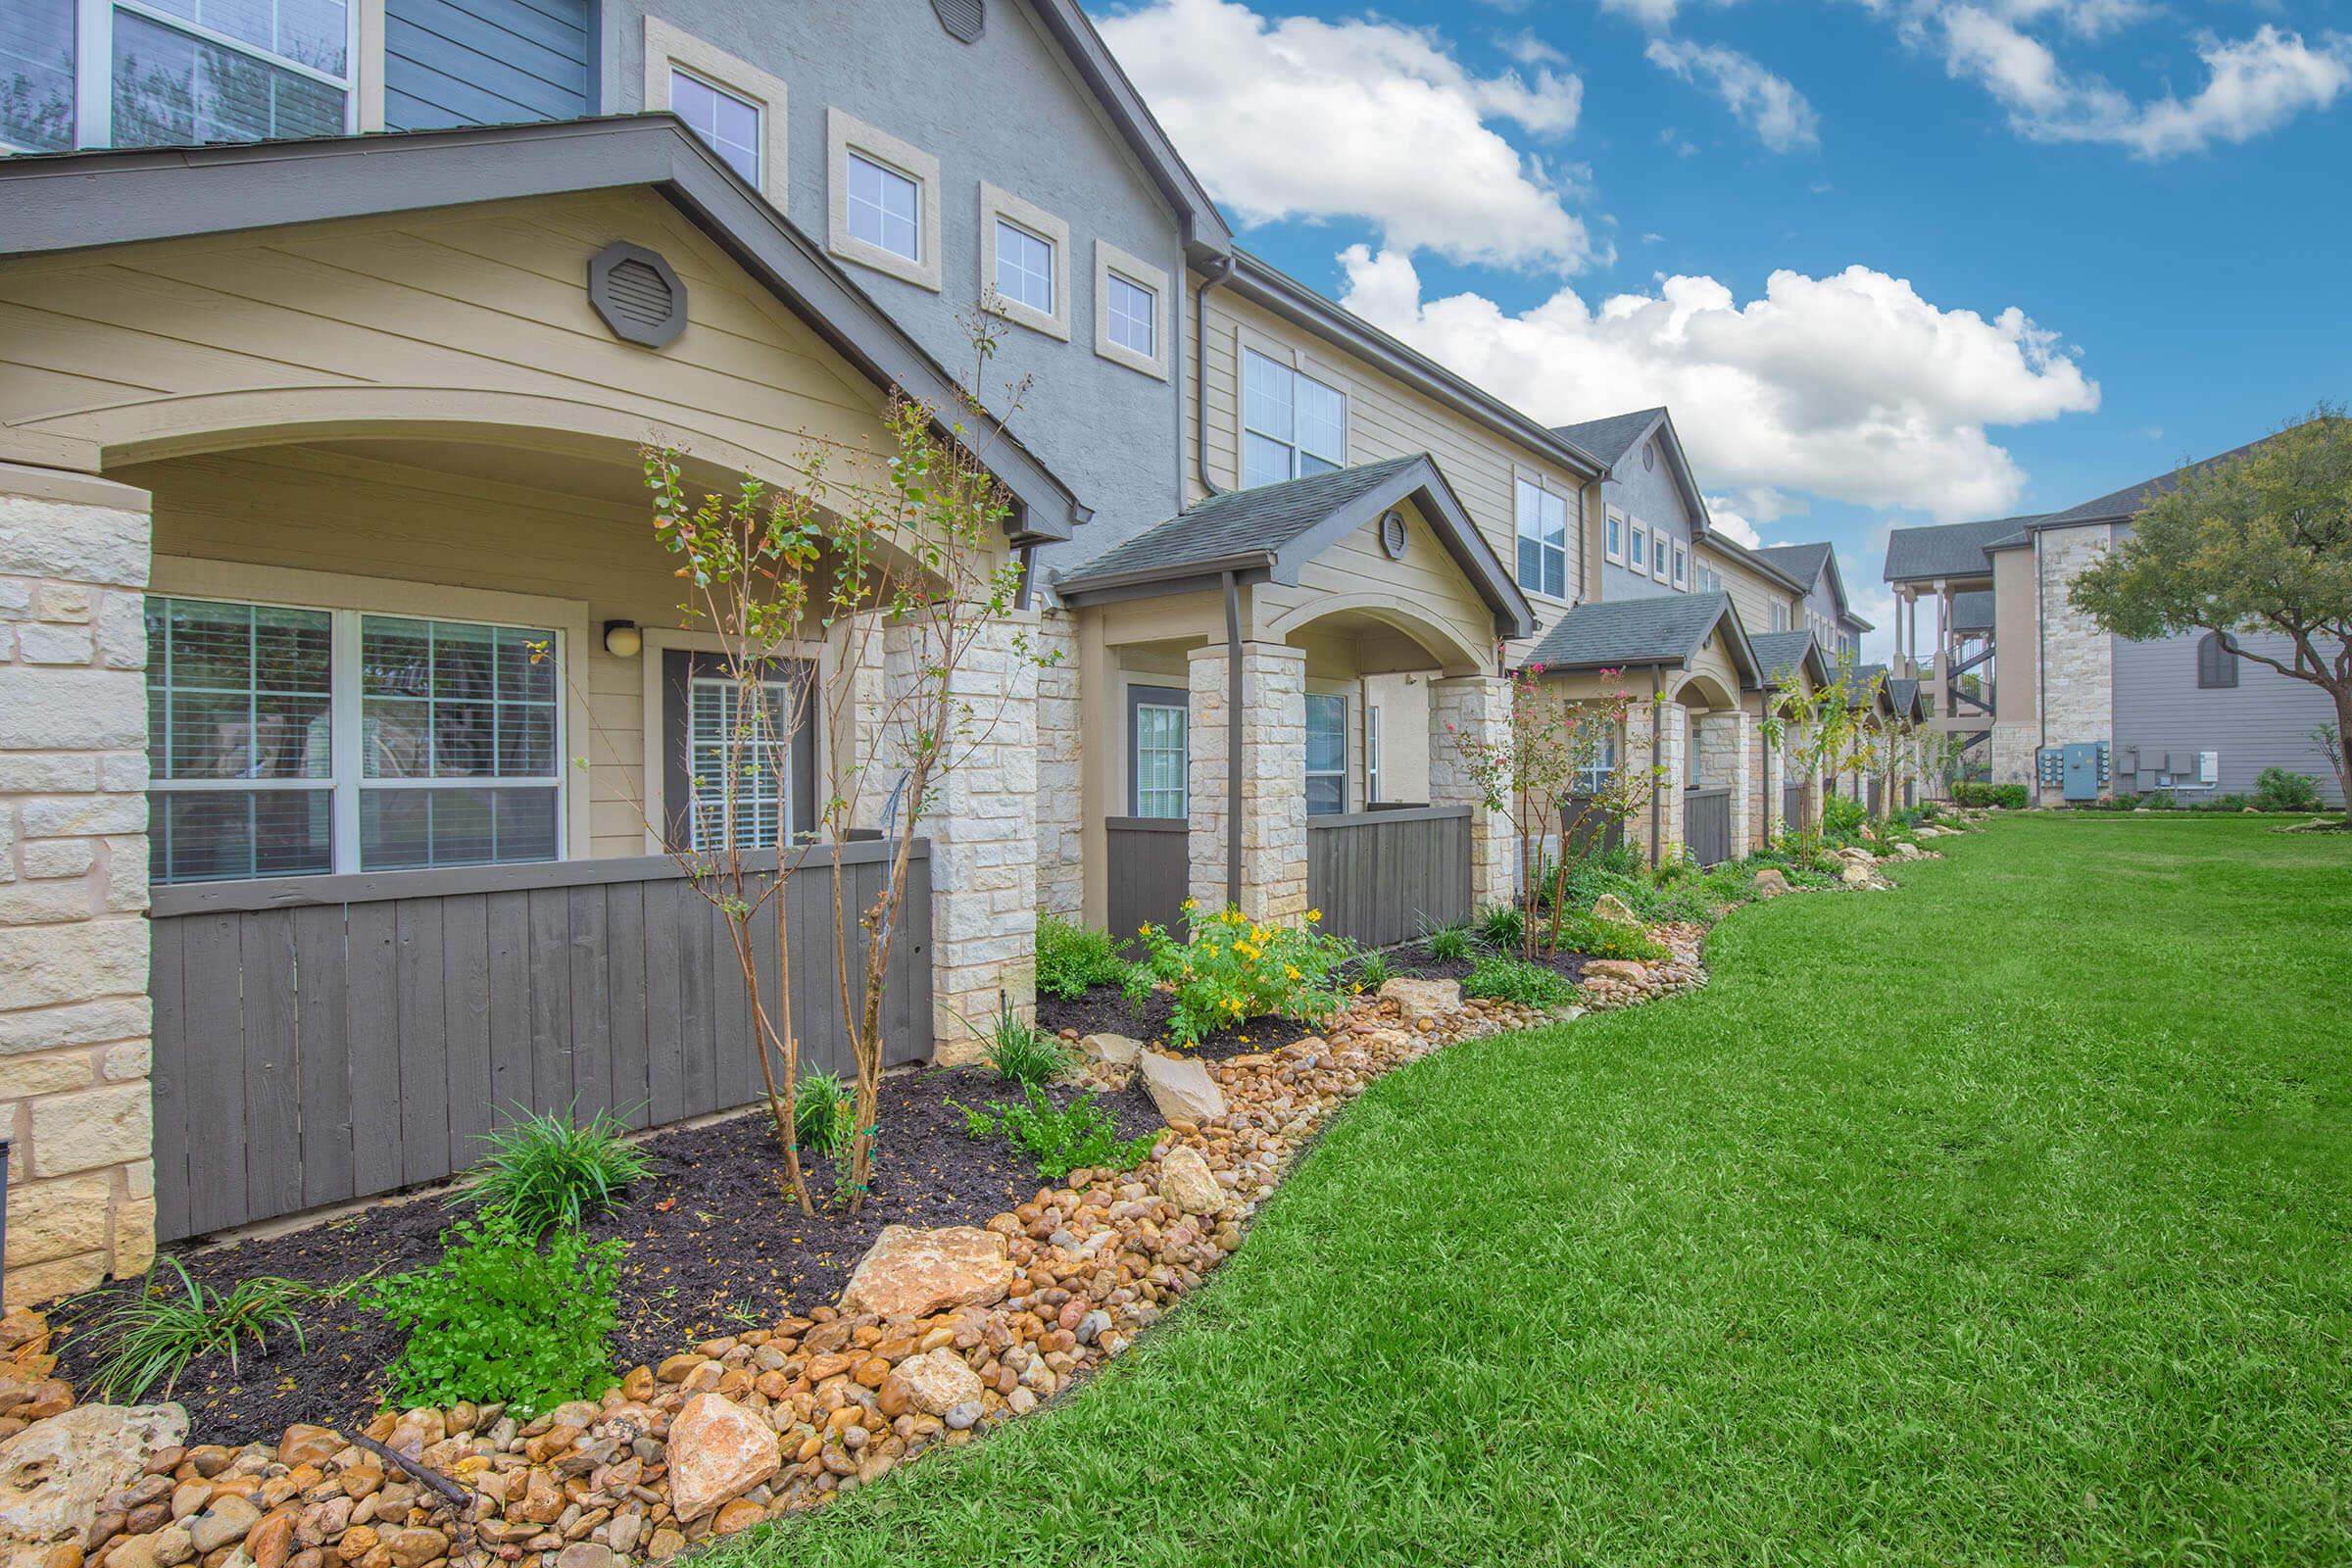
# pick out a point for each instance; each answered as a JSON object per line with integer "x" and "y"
{"x": 2083, "y": 770}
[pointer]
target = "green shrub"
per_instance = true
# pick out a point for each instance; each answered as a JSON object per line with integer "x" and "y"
{"x": 1500, "y": 927}
{"x": 2277, "y": 790}
{"x": 2161, "y": 801}
{"x": 1230, "y": 967}
{"x": 1975, "y": 793}
{"x": 157, "y": 1334}
{"x": 1071, "y": 959}
{"x": 1058, "y": 1140}
{"x": 821, "y": 1106}
{"x": 1446, "y": 943}
{"x": 1605, "y": 938}
{"x": 2222, "y": 802}
{"x": 548, "y": 1170}
{"x": 1020, "y": 1053}
{"x": 504, "y": 1317}
{"x": 1841, "y": 818}
{"x": 1611, "y": 871}
{"x": 1506, "y": 979}
{"x": 1371, "y": 971}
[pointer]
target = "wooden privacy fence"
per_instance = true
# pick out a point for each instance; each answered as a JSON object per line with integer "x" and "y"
{"x": 1379, "y": 877}
{"x": 1796, "y": 813}
{"x": 1707, "y": 824}
{"x": 321, "y": 1039}
{"x": 1149, "y": 864}
{"x": 1587, "y": 829}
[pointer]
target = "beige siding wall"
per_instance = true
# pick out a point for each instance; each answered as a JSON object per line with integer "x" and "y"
{"x": 1384, "y": 420}
{"x": 1752, "y": 594}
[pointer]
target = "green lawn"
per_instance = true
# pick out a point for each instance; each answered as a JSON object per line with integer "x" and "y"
{"x": 2004, "y": 1218}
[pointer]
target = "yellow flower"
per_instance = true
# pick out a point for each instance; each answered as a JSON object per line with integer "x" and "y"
{"x": 1312, "y": 915}
{"x": 1190, "y": 905}
{"x": 1292, "y": 970}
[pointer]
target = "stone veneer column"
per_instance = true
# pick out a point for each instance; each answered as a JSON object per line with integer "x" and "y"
{"x": 1473, "y": 708}
{"x": 1060, "y": 786}
{"x": 73, "y": 1012}
{"x": 1723, "y": 759}
{"x": 1273, "y": 763}
{"x": 1664, "y": 749}
{"x": 982, "y": 823}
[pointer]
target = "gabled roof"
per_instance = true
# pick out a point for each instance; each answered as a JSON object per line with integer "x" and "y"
{"x": 1260, "y": 283}
{"x": 1904, "y": 696}
{"x": 1613, "y": 437}
{"x": 1792, "y": 651}
{"x": 1267, "y": 534}
{"x": 2117, "y": 506}
{"x": 55, "y": 202}
{"x": 1948, "y": 550}
{"x": 1805, "y": 563}
{"x": 1656, "y": 629}
{"x": 1862, "y": 688}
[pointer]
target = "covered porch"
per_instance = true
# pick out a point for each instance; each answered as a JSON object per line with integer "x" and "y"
{"x": 1247, "y": 671}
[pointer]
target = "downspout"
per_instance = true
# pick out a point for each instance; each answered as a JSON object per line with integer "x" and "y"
{"x": 1233, "y": 741}
{"x": 1222, "y": 272}
{"x": 1657, "y": 742}
{"x": 2041, "y": 668}
{"x": 1020, "y": 597}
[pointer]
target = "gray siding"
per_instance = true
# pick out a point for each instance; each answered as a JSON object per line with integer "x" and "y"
{"x": 1649, "y": 496}
{"x": 2263, "y": 721}
{"x": 1008, "y": 109}
{"x": 486, "y": 61}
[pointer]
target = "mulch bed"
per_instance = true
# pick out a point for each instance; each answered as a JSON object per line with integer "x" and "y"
{"x": 1420, "y": 965}
{"x": 715, "y": 1246}
{"x": 1105, "y": 1010}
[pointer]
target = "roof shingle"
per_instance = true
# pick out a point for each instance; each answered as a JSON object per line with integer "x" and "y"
{"x": 1238, "y": 522}
{"x": 1610, "y": 438}
{"x": 1661, "y": 628}
{"x": 1949, "y": 550}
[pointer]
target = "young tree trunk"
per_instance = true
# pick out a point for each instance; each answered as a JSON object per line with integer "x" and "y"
{"x": 2343, "y": 743}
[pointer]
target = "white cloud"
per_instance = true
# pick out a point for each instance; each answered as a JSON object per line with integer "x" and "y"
{"x": 1530, "y": 48}
{"x": 1869, "y": 597}
{"x": 2252, "y": 85}
{"x": 1849, "y": 387}
{"x": 1726, "y": 518}
{"x": 1655, "y": 14}
{"x": 1769, "y": 105}
{"x": 1299, "y": 119}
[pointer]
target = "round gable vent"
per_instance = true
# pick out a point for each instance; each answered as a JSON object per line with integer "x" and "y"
{"x": 1393, "y": 536}
{"x": 638, "y": 295}
{"x": 963, "y": 18}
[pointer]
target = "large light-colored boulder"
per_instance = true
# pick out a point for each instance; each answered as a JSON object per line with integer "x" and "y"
{"x": 1609, "y": 907}
{"x": 939, "y": 1381}
{"x": 1181, "y": 1088}
{"x": 1417, "y": 1000}
{"x": 1616, "y": 969}
{"x": 54, "y": 1472}
{"x": 1117, "y": 1051}
{"x": 1186, "y": 1181}
{"x": 717, "y": 1451}
{"x": 1770, "y": 882}
{"x": 914, "y": 1273}
{"x": 1856, "y": 874}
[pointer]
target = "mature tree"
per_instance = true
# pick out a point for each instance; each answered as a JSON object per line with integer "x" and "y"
{"x": 2258, "y": 544}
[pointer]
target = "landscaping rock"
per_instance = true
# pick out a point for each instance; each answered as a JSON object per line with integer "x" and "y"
{"x": 717, "y": 1451}
{"x": 1117, "y": 1051}
{"x": 1182, "y": 1088}
{"x": 1855, "y": 875}
{"x": 226, "y": 1520}
{"x": 1905, "y": 849}
{"x": 1186, "y": 1181}
{"x": 939, "y": 1381}
{"x": 914, "y": 1273}
{"x": 1617, "y": 969}
{"x": 53, "y": 1473}
{"x": 1417, "y": 1000}
{"x": 1771, "y": 883}
{"x": 1609, "y": 907}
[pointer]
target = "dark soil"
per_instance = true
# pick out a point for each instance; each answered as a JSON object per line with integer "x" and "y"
{"x": 1414, "y": 961}
{"x": 715, "y": 1246}
{"x": 1105, "y": 1010}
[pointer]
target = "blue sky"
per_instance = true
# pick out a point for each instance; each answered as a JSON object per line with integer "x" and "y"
{"x": 1929, "y": 258}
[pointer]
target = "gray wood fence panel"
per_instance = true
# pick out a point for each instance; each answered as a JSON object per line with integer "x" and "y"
{"x": 1797, "y": 814}
{"x": 1588, "y": 829}
{"x": 1707, "y": 824}
{"x": 1149, "y": 864}
{"x": 1380, "y": 877}
{"x": 321, "y": 1039}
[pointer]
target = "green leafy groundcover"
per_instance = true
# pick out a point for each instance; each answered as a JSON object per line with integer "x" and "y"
{"x": 2000, "y": 1219}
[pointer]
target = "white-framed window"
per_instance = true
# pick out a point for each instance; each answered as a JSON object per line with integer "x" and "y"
{"x": 1025, "y": 263}
{"x": 1594, "y": 772}
{"x": 174, "y": 72}
{"x": 1543, "y": 527}
{"x": 1641, "y": 558}
{"x": 883, "y": 203}
{"x": 1158, "y": 755}
{"x": 1292, "y": 425}
{"x": 1780, "y": 615}
{"x": 1682, "y": 564}
{"x": 1131, "y": 309}
{"x": 730, "y": 124}
{"x": 288, "y": 741}
{"x": 1659, "y": 546}
{"x": 737, "y": 109}
{"x": 1616, "y": 534}
{"x": 1326, "y": 754}
{"x": 722, "y": 731}
{"x": 1372, "y": 751}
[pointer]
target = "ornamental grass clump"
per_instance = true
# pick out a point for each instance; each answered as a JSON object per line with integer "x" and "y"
{"x": 150, "y": 1338}
{"x": 1231, "y": 967}
{"x": 1018, "y": 1053}
{"x": 1506, "y": 979}
{"x": 549, "y": 1170}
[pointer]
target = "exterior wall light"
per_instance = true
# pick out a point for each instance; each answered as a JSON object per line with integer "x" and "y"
{"x": 622, "y": 639}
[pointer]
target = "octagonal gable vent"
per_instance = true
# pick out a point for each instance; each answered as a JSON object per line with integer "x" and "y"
{"x": 638, "y": 295}
{"x": 963, "y": 18}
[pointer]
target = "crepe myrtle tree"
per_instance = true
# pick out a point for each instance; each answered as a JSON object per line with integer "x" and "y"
{"x": 1821, "y": 733}
{"x": 908, "y": 548}
{"x": 1555, "y": 770}
{"x": 2258, "y": 544}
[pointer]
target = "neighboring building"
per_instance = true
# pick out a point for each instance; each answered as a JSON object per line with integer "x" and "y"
{"x": 2010, "y": 663}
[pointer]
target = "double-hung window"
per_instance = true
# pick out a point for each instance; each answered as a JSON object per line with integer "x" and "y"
{"x": 172, "y": 72}
{"x": 1780, "y": 616}
{"x": 1616, "y": 534}
{"x": 1326, "y": 754}
{"x": 1158, "y": 720}
{"x": 1593, "y": 773}
{"x": 1682, "y": 565}
{"x": 287, "y": 741}
{"x": 1542, "y": 541}
{"x": 885, "y": 208}
{"x": 1658, "y": 546}
{"x": 1292, "y": 425}
{"x": 751, "y": 741}
{"x": 728, "y": 122}
{"x": 1641, "y": 558}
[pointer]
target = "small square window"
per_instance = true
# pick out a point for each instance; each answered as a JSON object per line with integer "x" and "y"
{"x": 1641, "y": 558}
{"x": 1134, "y": 316}
{"x": 1682, "y": 564}
{"x": 1024, "y": 267}
{"x": 1616, "y": 536}
{"x": 729, "y": 124}
{"x": 885, "y": 208}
